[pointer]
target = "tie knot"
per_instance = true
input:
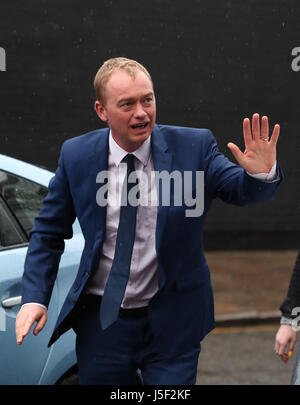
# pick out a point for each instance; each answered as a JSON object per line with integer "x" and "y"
{"x": 129, "y": 159}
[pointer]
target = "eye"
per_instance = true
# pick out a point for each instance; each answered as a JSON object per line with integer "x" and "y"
{"x": 126, "y": 104}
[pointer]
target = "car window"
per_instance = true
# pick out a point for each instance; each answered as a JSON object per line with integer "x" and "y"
{"x": 9, "y": 233}
{"x": 23, "y": 197}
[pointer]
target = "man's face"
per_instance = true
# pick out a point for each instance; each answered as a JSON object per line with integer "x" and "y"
{"x": 130, "y": 109}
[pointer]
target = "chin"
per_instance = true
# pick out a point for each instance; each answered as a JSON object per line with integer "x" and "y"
{"x": 136, "y": 141}
{"x": 140, "y": 137}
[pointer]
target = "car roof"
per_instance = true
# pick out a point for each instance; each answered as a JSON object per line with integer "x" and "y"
{"x": 30, "y": 172}
{"x": 25, "y": 170}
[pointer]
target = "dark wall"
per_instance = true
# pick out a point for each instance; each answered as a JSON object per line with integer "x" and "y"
{"x": 213, "y": 63}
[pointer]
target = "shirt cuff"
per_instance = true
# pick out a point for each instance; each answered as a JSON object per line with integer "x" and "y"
{"x": 286, "y": 321}
{"x": 34, "y": 303}
{"x": 266, "y": 176}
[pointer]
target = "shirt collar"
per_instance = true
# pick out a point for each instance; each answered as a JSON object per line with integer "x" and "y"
{"x": 117, "y": 153}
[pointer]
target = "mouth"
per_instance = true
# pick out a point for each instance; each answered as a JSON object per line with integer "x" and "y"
{"x": 140, "y": 126}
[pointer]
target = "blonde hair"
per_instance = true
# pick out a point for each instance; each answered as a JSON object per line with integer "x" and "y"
{"x": 130, "y": 66}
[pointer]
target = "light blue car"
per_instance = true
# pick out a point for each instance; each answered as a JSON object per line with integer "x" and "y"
{"x": 22, "y": 189}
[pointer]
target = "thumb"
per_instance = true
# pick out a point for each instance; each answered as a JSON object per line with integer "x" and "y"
{"x": 237, "y": 153}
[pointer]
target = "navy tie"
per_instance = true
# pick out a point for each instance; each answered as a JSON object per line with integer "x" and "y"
{"x": 119, "y": 273}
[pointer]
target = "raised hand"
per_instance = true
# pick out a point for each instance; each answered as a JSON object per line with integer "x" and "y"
{"x": 260, "y": 149}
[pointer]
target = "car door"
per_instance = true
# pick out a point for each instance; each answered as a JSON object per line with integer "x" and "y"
{"x": 20, "y": 202}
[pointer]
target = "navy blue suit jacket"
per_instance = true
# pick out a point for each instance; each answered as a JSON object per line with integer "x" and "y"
{"x": 181, "y": 313}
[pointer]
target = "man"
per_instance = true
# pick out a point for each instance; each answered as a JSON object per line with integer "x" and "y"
{"x": 142, "y": 297}
{"x": 286, "y": 336}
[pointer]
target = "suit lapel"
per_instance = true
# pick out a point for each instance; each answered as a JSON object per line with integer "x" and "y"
{"x": 99, "y": 163}
{"x": 162, "y": 160}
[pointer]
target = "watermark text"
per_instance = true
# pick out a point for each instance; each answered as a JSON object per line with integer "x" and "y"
{"x": 178, "y": 189}
{"x": 2, "y": 320}
{"x": 296, "y": 61}
{"x": 2, "y": 60}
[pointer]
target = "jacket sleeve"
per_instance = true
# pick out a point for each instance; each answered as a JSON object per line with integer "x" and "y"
{"x": 52, "y": 226}
{"x": 292, "y": 299}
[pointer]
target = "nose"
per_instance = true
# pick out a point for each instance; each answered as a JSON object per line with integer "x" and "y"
{"x": 139, "y": 112}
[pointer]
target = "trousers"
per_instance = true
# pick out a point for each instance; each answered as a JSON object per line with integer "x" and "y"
{"x": 113, "y": 356}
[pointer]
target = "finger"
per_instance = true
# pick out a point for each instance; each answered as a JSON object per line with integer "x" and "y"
{"x": 19, "y": 334}
{"x": 247, "y": 131}
{"x": 279, "y": 349}
{"x": 275, "y": 134}
{"x": 286, "y": 353}
{"x": 255, "y": 127}
{"x": 19, "y": 339}
{"x": 40, "y": 325}
{"x": 284, "y": 357}
{"x": 265, "y": 128}
{"x": 281, "y": 344}
{"x": 24, "y": 330}
{"x": 291, "y": 347}
{"x": 235, "y": 150}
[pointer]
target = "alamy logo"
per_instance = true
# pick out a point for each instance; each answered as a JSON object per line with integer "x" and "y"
{"x": 296, "y": 61}
{"x": 2, "y": 60}
{"x": 2, "y": 320}
{"x": 176, "y": 188}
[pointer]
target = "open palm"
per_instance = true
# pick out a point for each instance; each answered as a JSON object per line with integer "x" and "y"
{"x": 260, "y": 149}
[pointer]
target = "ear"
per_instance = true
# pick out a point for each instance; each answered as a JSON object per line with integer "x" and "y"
{"x": 101, "y": 111}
